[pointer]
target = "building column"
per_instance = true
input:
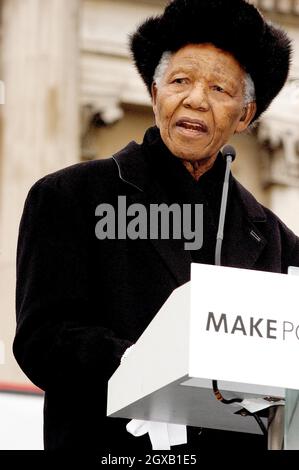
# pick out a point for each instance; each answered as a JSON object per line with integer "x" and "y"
{"x": 39, "y": 120}
{"x": 279, "y": 137}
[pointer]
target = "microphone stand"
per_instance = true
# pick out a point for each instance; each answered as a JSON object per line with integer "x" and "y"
{"x": 229, "y": 154}
{"x": 276, "y": 419}
{"x": 275, "y": 432}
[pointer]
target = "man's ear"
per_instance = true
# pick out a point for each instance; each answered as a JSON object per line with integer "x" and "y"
{"x": 154, "y": 91}
{"x": 246, "y": 118}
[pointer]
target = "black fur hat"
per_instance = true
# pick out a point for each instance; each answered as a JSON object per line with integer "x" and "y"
{"x": 236, "y": 26}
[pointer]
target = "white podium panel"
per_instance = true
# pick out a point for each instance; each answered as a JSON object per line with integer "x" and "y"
{"x": 247, "y": 322}
{"x": 237, "y": 326}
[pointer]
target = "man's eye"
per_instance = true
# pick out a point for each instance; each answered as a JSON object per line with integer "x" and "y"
{"x": 218, "y": 88}
{"x": 180, "y": 81}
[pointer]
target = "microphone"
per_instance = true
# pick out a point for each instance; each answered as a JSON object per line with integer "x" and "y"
{"x": 229, "y": 151}
{"x": 229, "y": 154}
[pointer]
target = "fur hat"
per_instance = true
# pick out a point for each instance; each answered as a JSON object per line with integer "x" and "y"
{"x": 236, "y": 26}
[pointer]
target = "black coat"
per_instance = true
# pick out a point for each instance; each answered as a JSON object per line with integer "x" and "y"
{"x": 81, "y": 302}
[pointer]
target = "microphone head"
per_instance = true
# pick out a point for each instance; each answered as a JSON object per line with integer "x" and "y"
{"x": 229, "y": 151}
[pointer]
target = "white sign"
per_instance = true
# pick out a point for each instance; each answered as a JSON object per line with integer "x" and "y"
{"x": 244, "y": 326}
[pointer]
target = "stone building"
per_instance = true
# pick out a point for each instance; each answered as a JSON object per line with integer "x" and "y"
{"x": 72, "y": 94}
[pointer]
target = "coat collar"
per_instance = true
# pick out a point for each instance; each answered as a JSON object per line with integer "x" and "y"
{"x": 133, "y": 170}
{"x": 243, "y": 241}
{"x": 132, "y": 166}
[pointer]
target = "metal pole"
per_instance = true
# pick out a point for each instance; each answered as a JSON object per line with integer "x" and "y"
{"x": 276, "y": 427}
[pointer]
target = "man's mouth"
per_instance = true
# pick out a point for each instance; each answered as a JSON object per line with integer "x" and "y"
{"x": 193, "y": 125}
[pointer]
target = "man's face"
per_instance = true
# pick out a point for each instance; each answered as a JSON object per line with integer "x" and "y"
{"x": 199, "y": 103}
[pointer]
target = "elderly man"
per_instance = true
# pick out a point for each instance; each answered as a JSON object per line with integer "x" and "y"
{"x": 212, "y": 67}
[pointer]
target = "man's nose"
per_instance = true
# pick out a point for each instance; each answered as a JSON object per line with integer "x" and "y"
{"x": 197, "y": 98}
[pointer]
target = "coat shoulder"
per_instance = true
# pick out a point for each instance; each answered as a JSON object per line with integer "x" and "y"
{"x": 271, "y": 225}
{"x": 78, "y": 177}
{"x": 256, "y": 210}
{"x": 83, "y": 185}
{"x": 92, "y": 177}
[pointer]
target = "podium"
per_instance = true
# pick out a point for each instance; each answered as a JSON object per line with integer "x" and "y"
{"x": 237, "y": 326}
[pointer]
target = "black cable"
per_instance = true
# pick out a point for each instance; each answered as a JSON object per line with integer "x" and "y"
{"x": 220, "y": 397}
{"x": 223, "y": 400}
{"x": 260, "y": 423}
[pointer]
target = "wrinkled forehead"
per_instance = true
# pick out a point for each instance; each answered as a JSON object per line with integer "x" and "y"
{"x": 205, "y": 59}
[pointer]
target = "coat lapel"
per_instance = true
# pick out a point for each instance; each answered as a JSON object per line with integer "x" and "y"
{"x": 132, "y": 169}
{"x": 243, "y": 241}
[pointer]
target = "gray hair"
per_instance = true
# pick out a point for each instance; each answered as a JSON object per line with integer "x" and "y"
{"x": 249, "y": 88}
{"x": 162, "y": 67}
